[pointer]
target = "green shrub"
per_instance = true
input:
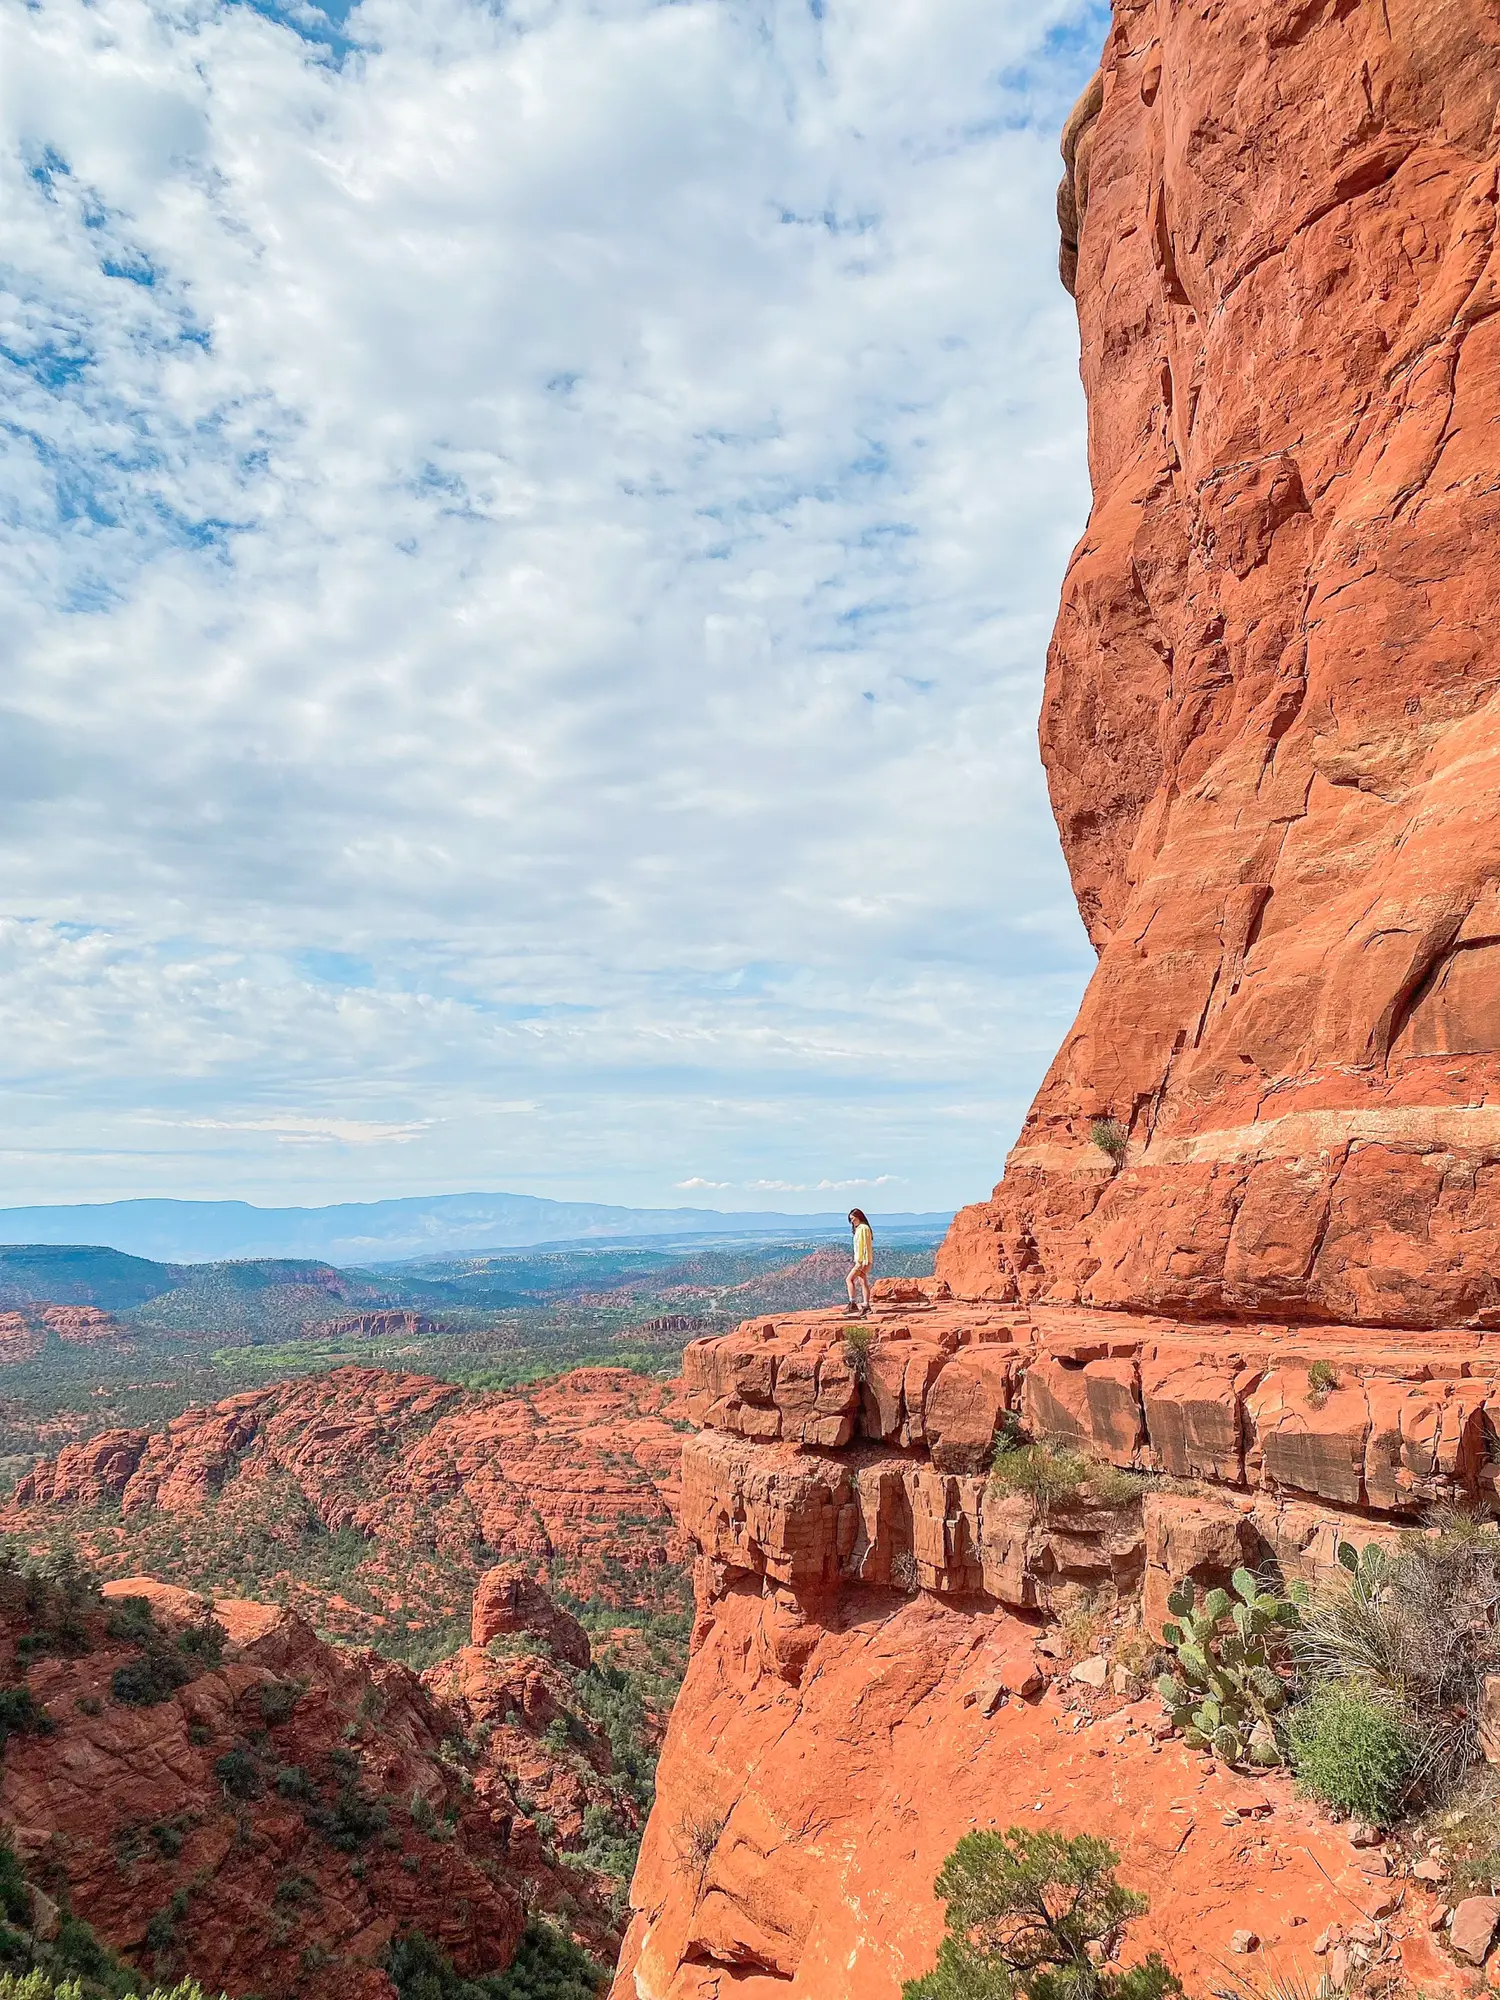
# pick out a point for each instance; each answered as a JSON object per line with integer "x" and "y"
{"x": 857, "y": 1344}
{"x": 14, "y": 1901}
{"x": 132, "y": 1621}
{"x": 1351, "y": 1748}
{"x": 1026, "y": 1913}
{"x": 277, "y": 1699}
{"x": 1110, "y": 1136}
{"x": 44, "y": 1986}
{"x": 203, "y": 1645}
{"x": 1049, "y": 1473}
{"x": 1322, "y": 1380}
{"x": 154, "y": 1676}
{"x": 352, "y": 1819}
{"x": 547, "y": 1966}
{"x": 1416, "y": 1627}
{"x": 239, "y": 1774}
{"x": 20, "y": 1714}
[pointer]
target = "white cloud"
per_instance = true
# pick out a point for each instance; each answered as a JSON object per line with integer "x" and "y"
{"x": 292, "y": 1128}
{"x": 533, "y": 540}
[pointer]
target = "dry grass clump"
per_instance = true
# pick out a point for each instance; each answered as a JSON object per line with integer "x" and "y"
{"x": 699, "y": 1831}
{"x": 858, "y": 1341}
{"x": 1467, "y": 1834}
{"x": 1418, "y": 1629}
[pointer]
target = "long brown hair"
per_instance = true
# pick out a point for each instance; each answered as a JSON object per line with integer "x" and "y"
{"x": 858, "y": 1215}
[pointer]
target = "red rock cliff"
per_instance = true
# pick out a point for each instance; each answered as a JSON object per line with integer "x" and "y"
{"x": 891, "y": 1651}
{"x": 1270, "y": 715}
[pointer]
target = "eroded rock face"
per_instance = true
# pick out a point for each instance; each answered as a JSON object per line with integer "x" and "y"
{"x": 891, "y": 1650}
{"x": 580, "y": 1473}
{"x": 292, "y": 1808}
{"x": 1270, "y": 724}
{"x": 510, "y": 1602}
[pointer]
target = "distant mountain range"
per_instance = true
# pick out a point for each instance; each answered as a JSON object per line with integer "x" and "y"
{"x": 370, "y": 1232}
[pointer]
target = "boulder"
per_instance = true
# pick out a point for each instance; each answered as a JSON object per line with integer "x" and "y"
{"x": 1475, "y": 1922}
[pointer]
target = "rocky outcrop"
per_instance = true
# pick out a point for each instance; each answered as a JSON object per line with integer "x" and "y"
{"x": 271, "y": 1824}
{"x": 26, "y": 1330}
{"x": 579, "y": 1474}
{"x": 510, "y": 1602}
{"x": 1270, "y": 723}
{"x": 1270, "y": 731}
{"x": 892, "y": 1647}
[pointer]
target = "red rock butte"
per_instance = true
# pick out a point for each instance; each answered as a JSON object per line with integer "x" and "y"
{"x": 1248, "y": 1243}
{"x": 1270, "y": 714}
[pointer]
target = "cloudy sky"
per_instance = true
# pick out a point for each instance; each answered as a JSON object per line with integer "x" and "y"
{"x": 530, "y": 533}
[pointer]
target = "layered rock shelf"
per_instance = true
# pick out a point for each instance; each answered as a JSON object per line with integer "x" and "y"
{"x": 1389, "y": 1427}
{"x": 892, "y": 1648}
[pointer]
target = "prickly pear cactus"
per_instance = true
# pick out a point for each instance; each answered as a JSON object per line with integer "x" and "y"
{"x": 1366, "y": 1568}
{"x": 1225, "y": 1693}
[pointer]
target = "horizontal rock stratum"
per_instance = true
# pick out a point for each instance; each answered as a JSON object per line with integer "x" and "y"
{"x": 886, "y": 1641}
{"x": 1270, "y": 723}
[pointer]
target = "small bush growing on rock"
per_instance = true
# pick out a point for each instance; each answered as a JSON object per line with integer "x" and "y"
{"x": 239, "y": 1774}
{"x": 21, "y": 1714}
{"x": 15, "y": 1903}
{"x": 292, "y": 1782}
{"x": 1111, "y": 1486}
{"x": 1110, "y": 1136}
{"x": 905, "y": 1575}
{"x": 352, "y": 1819}
{"x": 1054, "y": 1473}
{"x": 161, "y": 1931}
{"x": 1036, "y": 1913}
{"x": 857, "y": 1344}
{"x": 155, "y": 1676}
{"x": 1350, "y": 1748}
{"x": 1049, "y": 1473}
{"x": 277, "y": 1699}
{"x": 132, "y": 1621}
{"x": 1225, "y": 1694}
{"x": 699, "y": 1831}
{"x": 1322, "y": 1380}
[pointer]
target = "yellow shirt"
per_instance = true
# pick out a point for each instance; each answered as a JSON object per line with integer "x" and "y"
{"x": 864, "y": 1244}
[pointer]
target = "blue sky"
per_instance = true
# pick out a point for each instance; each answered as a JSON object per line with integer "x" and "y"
{"x": 530, "y": 535}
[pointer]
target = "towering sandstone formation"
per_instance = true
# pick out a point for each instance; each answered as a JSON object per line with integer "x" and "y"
{"x": 1271, "y": 734}
{"x": 1270, "y": 725}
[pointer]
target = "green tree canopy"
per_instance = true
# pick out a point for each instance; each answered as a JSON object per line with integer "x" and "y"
{"x": 1034, "y": 1914}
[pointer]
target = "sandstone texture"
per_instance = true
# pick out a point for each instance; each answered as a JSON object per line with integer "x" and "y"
{"x": 427, "y": 1482}
{"x": 269, "y": 1826}
{"x": 1270, "y": 723}
{"x": 891, "y": 1650}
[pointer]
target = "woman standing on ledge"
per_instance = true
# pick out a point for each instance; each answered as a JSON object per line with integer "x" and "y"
{"x": 858, "y": 1279}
